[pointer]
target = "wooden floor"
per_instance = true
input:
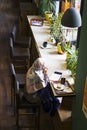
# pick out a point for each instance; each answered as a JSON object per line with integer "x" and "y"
{"x": 8, "y": 14}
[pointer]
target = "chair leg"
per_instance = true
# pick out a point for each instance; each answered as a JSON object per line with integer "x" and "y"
{"x": 11, "y": 97}
{"x": 38, "y": 119}
{"x": 36, "y": 116}
{"x": 13, "y": 100}
{"x": 17, "y": 120}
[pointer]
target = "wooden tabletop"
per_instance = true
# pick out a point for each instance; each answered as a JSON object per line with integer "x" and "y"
{"x": 53, "y": 60}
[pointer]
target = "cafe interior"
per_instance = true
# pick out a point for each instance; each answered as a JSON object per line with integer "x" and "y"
{"x": 43, "y": 65}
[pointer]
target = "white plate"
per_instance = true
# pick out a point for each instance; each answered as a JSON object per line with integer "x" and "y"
{"x": 58, "y": 86}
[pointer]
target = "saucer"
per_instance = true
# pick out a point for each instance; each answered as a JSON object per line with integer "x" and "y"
{"x": 59, "y": 86}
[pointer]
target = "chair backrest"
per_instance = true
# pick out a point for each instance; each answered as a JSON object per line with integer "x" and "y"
{"x": 17, "y": 88}
{"x": 14, "y": 32}
{"x": 12, "y": 69}
{"x": 18, "y": 94}
{"x": 29, "y": 45}
{"x": 11, "y": 47}
{"x": 12, "y": 74}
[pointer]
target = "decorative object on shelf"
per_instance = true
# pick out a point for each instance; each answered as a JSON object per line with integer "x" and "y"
{"x": 36, "y": 22}
{"x": 65, "y": 5}
{"x": 57, "y": 3}
{"x": 77, "y": 4}
{"x": 48, "y": 16}
{"x": 71, "y": 18}
{"x": 59, "y": 49}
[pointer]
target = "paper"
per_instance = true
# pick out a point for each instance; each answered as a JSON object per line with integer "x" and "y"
{"x": 55, "y": 77}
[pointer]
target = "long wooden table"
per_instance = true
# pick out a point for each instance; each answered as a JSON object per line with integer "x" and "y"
{"x": 53, "y": 60}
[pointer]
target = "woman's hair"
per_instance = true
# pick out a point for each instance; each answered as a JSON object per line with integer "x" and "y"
{"x": 39, "y": 64}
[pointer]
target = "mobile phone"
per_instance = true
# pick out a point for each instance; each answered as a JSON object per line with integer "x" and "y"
{"x": 56, "y": 72}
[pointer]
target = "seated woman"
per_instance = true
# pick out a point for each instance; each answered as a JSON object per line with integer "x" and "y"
{"x": 38, "y": 87}
{"x": 36, "y": 79}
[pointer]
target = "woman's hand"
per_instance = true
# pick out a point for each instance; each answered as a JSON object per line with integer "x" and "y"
{"x": 45, "y": 69}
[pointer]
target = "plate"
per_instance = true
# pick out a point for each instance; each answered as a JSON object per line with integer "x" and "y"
{"x": 59, "y": 86}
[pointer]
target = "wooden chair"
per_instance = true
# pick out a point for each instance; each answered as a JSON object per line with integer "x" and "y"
{"x": 21, "y": 79}
{"x": 25, "y": 108}
{"x": 18, "y": 39}
{"x": 18, "y": 54}
{"x": 20, "y": 67}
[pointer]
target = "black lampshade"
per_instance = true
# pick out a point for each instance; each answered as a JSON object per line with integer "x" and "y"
{"x": 71, "y": 18}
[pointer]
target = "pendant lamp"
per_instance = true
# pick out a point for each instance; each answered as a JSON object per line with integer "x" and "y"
{"x": 71, "y": 18}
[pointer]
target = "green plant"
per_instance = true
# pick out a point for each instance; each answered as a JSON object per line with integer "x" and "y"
{"x": 46, "y": 5}
{"x": 55, "y": 27}
{"x": 72, "y": 57}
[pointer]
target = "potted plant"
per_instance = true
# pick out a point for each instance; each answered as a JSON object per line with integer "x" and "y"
{"x": 72, "y": 57}
{"x": 55, "y": 28}
{"x": 46, "y": 6}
